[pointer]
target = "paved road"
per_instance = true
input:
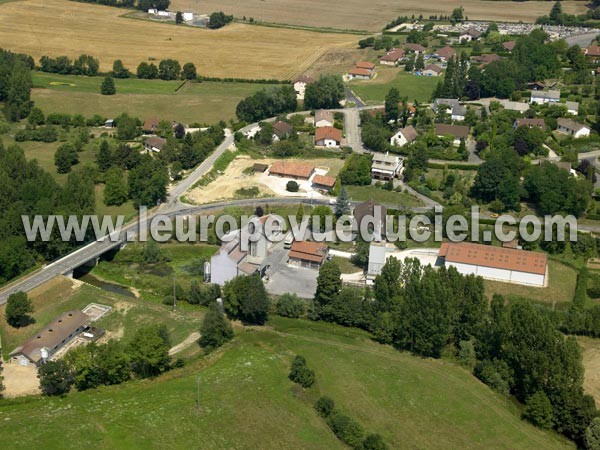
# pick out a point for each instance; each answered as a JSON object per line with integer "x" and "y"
{"x": 351, "y": 97}
{"x": 352, "y": 126}
{"x": 583, "y": 40}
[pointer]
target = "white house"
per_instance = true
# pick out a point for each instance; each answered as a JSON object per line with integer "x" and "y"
{"x": 324, "y": 118}
{"x": 300, "y": 85}
{"x": 432, "y": 70}
{"x": 328, "y": 137}
{"x": 404, "y": 136}
{"x": 188, "y": 16}
{"x": 496, "y": 263}
{"x": 572, "y": 128}
{"x": 386, "y": 167}
{"x": 154, "y": 144}
{"x": 541, "y": 97}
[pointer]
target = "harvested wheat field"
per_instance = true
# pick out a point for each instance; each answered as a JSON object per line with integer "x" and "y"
{"x": 62, "y": 27}
{"x": 374, "y": 15}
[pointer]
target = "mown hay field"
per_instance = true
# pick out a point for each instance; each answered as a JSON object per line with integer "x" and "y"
{"x": 62, "y": 27}
{"x": 374, "y": 15}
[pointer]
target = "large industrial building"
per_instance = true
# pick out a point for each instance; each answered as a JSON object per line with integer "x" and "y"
{"x": 496, "y": 263}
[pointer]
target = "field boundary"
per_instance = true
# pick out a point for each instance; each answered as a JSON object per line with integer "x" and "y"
{"x": 304, "y": 27}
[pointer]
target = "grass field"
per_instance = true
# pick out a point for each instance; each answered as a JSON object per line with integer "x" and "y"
{"x": 411, "y": 86}
{"x": 248, "y": 402}
{"x": 354, "y": 15}
{"x": 363, "y": 193}
{"x": 62, "y": 27}
{"x": 562, "y": 280}
{"x": 206, "y": 102}
{"x": 128, "y": 313}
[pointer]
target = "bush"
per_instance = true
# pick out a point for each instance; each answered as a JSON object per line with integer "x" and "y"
{"x": 290, "y": 305}
{"x": 18, "y": 310}
{"x": 324, "y": 406}
{"x": 292, "y": 186}
{"x": 346, "y": 429}
{"x": 538, "y": 410}
{"x": 374, "y": 442}
{"x": 300, "y": 373}
{"x": 55, "y": 378}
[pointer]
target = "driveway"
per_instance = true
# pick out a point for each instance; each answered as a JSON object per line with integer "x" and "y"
{"x": 293, "y": 280}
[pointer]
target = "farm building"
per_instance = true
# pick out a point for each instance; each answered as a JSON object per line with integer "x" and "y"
{"x": 300, "y": 85}
{"x": 328, "y": 137}
{"x": 432, "y": 70}
{"x": 530, "y": 123}
{"x": 154, "y": 144}
{"x": 392, "y": 57}
{"x": 572, "y": 128}
{"x": 324, "y": 118}
{"x": 496, "y": 263}
{"x": 541, "y": 97}
{"x": 237, "y": 258}
{"x": 404, "y": 136}
{"x": 386, "y": 167}
{"x": 308, "y": 254}
{"x": 323, "y": 182}
{"x": 289, "y": 169}
{"x": 51, "y": 339}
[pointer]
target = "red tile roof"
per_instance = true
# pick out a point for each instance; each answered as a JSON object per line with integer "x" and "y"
{"x": 415, "y": 47}
{"x": 328, "y": 133}
{"x": 308, "y": 251}
{"x": 292, "y": 169}
{"x": 494, "y": 257}
{"x": 593, "y": 50}
{"x": 324, "y": 180}
{"x": 393, "y": 55}
{"x": 365, "y": 65}
{"x": 360, "y": 72}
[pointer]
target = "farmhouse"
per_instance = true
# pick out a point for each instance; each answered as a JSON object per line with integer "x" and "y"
{"x": 496, "y": 263}
{"x": 50, "y": 339}
{"x": 328, "y": 137}
{"x": 404, "y": 136}
{"x": 432, "y": 70}
{"x": 542, "y": 97}
{"x": 445, "y": 53}
{"x": 242, "y": 255}
{"x": 392, "y": 57}
{"x": 323, "y": 118}
{"x": 300, "y": 85}
{"x": 530, "y": 123}
{"x": 154, "y": 144}
{"x": 416, "y": 48}
{"x": 289, "y": 169}
{"x": 386, "y": 167}
{"x": 572, "y": 128}
{"x": 458, "y": 132}
{"x": 308, "y": 254}
{"x": 373, "y": 214}
{"x": 281, "y": 130}
{"x": 323, "y": 182}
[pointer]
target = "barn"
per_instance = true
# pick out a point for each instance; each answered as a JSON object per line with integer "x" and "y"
{"x": 496, "y": 263}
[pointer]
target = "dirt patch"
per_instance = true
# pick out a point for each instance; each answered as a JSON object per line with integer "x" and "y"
{"x": 591, "y": 363}
{"x": 123, "y": 307}
{"x": 190, "y": 340}
{"x": 20, "y": 380}
{"x": 235, "y": 178}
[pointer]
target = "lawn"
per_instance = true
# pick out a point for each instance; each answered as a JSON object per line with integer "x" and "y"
{"x": 61, "y": 27}
{"x": 247, "y": 401}
{"x": 410, "y": 86}
{"x": 399, "y": 199}
{"x": 129, "y": 313}
{"x": 562, "y": 280}
{"x": 206, "y": 102}
{"x": 346, "y": 266}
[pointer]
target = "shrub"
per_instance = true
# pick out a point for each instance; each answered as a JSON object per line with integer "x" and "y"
{"x": 324, "y": 406}
{"x": 290, "y": 305}
{"x": 346, "y": 429}
{"x": 300, "y": 373}
{"x": 538, "y": 410}
{"x": 292, "y": 186}
{"x": 374, "y": 442}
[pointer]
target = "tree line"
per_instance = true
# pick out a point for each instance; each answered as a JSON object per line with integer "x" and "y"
{"x": 143, "y": 5}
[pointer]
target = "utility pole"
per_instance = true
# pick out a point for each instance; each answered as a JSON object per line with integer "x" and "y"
{"x": 174, "y": 293}
{"x": 198, "y": 393}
